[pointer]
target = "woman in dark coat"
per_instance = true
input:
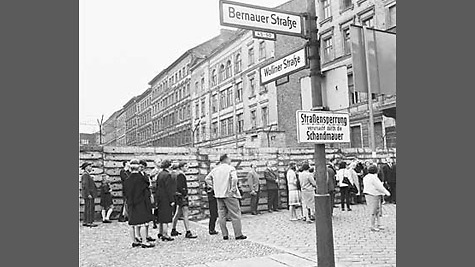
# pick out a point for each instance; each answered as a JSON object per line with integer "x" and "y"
{"x": 165, "y": 197}
{"x": 138, "y": 203}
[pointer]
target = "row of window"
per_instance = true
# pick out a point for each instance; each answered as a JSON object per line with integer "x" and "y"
{"x": 144, "y": 135}
{"x": 144, "y": 118}
{"x": 227, "y": 126}
{"x": 177, "y": 139}
{"x": 171, "y": 99}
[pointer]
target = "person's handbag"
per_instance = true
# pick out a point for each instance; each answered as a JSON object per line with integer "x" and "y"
{"x": 352, "y": 188}
{"x": 346, "y": 181}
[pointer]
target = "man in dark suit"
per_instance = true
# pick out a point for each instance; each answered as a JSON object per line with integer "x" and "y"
{"x": 392, "y": 180}
{"x": 88, "y": 192}
{"x": 331, "y": 184}
{"x": 272, "y": 183}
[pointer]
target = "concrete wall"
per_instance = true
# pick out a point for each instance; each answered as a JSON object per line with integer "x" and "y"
{"x": 108, "y": 160}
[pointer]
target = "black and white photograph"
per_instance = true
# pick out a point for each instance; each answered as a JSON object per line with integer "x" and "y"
{"x": 237, "y": 133}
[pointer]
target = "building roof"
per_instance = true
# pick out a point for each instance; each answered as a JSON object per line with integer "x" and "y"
{"x": 199, "y": 51}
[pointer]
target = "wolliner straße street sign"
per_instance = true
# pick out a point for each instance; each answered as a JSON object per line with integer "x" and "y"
{"x": 284, "y": 66}
{"x": 260, "y": 18}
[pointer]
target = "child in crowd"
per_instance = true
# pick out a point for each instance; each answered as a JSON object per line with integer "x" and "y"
{"x": 106, "y": 199}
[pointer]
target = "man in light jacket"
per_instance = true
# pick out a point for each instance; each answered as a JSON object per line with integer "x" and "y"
{"x": 223, "y": 179}
{"x": 253, "y": 182}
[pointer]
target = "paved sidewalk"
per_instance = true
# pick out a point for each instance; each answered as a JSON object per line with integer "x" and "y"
{"x": 354, "y": 243}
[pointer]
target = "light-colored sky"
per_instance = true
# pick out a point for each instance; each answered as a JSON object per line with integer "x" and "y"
{"x": 123, "y": 44}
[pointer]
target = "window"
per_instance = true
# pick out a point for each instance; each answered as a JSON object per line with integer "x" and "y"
{"x": 252, "y": 86}
{"x": 238, "y": 63}
{"x": 197, "y": 109}
{"x": 179, "y": 74}
{"x": 253, "y": 119}
{"x": 222, "y": 100}
{"x": 327, "y": 49}
{"x": 355, "y": 136}
{"x": 213, "y": 78}
{"x": 326, "y": 9}
{"x": 392, "y": 16}
{"x": 197, "y": 88}
{"x": 368, "y": 22}
{"x": 221, "y": 73}
{"x": 262, "y": 50}
{"x": 228, "y": 69}
{"x": 346, "y": 41}
{"x": 197, "y": 135}
{"x": 250, "y": 54}
{"x": 263, "y": 89}
{"x": 265, "y": 117}
{"x": 203, "y": 132}
{"x": 223, "y": 128}
{"x": 240, "y": 123}
{"x": 202, "y": 84}
{"x": 229, "y": 97}
{"x": 187, "y": 89}
{"x": 239, "y": 92}
{"x": 214, "y": 103}
{"x": 230, "y": 126}
{"x": 202, "y": 108}
{"x": 345, "y": 4}
{"x": 215, "y": 130}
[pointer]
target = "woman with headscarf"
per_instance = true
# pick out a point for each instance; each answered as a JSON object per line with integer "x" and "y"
{"x": 308, "y": 186}
{"x": 138, "y": 204}
{"x": 165, "y": 197}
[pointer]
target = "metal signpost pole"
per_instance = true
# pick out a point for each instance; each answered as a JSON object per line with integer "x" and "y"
{"x": 323, "y": 218}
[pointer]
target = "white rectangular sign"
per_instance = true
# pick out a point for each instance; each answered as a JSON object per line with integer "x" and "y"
{"x": 264, "y": 35}
{"x": 284, "y": 66}
{"x": 260, "y": 18}
{"x": 322, "y": 127}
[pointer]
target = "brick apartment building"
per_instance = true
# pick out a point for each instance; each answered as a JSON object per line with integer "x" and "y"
{"x": 211, "y": 96}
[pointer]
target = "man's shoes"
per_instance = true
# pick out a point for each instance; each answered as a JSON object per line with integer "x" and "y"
{"x": 159, "y": 236}
{"x": 85, "y": 224}
{"x": 276, "y": 210}
{"x": 150, "y": 239}
{"x": 106, "y": 221}
{"x": 190, "y": 235}
{"x": 213, "y": 232}
{"x": 349, "y": 209}
{"x": 121, "y": 219}
{"x": 270, "y": 211}
{"x": 149, "y": 245}
{"x": 254, "y": 213}
{"x": 93, "y": 225}
{"x": 225, "y": 237}
{"x": 136, "y": 244}
{"x": 175, "y": 233}
{"x": 241, "y": 237}
{"x": 167, "y": 238}
{"x": 375, "y": 229}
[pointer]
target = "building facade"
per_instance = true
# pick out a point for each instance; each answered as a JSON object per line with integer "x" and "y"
{"x": 87, "y": 139}
{"x": 109, "y": 130}
{"x": 144, "y": 118}
{"x": 131, "y": 122}
{"x": 335, "y": 18}
{"x": 120, "y": 128}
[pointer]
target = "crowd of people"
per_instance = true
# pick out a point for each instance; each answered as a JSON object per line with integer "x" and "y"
{"x": 160, "y": 198}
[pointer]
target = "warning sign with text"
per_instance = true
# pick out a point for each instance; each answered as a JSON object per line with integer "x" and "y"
{"x": 322, "y": 127}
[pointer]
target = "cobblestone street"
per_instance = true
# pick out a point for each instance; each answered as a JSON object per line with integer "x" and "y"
{"x": 273, "y": 240}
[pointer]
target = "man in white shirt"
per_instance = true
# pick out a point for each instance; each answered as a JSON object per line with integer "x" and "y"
{"x": 224, "y": 181}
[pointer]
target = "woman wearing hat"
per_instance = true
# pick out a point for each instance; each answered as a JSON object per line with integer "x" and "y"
{"x": 138, "y": 203}
{"x": 294, "y": 192}
{"x": 165, "y": 197}
{"x": 88, "y": 193}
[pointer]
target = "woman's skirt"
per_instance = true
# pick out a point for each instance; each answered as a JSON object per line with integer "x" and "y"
{"x": 294, "y": 198}
{"x": 308, "y": 199}
{"x": 106, "y": 201}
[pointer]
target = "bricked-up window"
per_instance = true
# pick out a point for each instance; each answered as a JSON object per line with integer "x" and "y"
{"x": 197, "y": 110}
{"x": 265, "y": 116}
{"x": 253, "y": 119}
{"x": 238, "y": 63}
{"x": 214, "y": 129}
{"x": 221, "y": 73}
{"x": 202, "y": 84}
{"x": 326, "y": 9}
{"x": 203, "y": 131}
{"x": 202, "y": 108}
{"x": 262, "y": 50}
{"x": 214, "y": 78}
{"x": 346, "y": 41}
{"x": 345, "y": 4}
{"x": 239, "y": 92}
{"x": 355, "y": 136}
{"x": 392, "y": 16}
{"x": 230, "y": 126}
{"x": 222, "y": 99}
{"x": 252, "y": 85}
{"x": 240, "y": 123}
{"x": 250, "y": 54}
{"x": 224, "y": 129}
{"x": 327, "y": 49}
{"x": 228, "y": 70}
{"x": 214, "y": 103}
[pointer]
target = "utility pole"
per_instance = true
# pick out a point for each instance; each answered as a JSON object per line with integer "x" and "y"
{"x": 323, "y": 218}
{"x": 100, "y": 129}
